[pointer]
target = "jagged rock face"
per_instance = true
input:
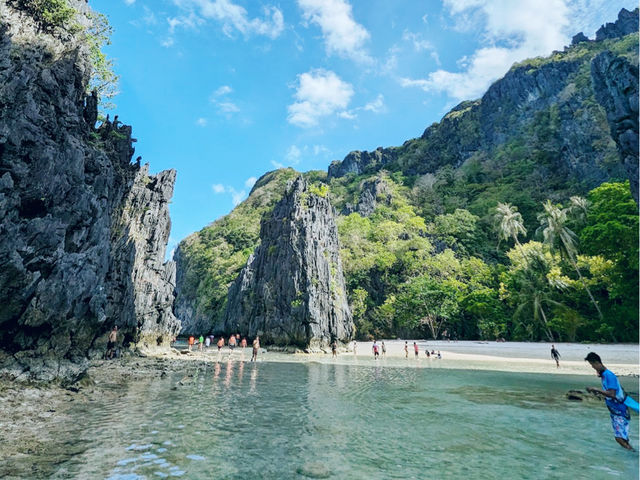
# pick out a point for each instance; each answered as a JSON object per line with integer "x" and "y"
{"x": 358, "y": 162}
{"x": 506, "y": 113}
{"x": 83, "y": 231}
{"x": 627, "y": 23}
{"x": 370, "y": 192}
{"x": 615, "y": 82}
{"x": 292, "y": 290}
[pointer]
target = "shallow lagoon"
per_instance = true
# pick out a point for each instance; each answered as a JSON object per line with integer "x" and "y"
{"x": 236, "y": 419}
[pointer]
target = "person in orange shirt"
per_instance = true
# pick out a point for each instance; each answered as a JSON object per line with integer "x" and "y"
{"x": 192, "y": 340}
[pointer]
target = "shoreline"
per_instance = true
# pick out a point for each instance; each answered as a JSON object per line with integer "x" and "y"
{"x": 515, "y": 357}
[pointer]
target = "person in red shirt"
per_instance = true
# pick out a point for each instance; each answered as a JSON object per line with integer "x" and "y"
{"x": 415, "y": 349}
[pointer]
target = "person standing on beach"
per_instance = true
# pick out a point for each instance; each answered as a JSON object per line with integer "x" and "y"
{"x": 427, "y": 353}
{"x": 355, "y": 345}
{"x": 232, "y": 342}
{"x": 384, "y": 349}
{"x": 406, "y": 350}
{"x": 220, "y": 343}
{"x": 375, "y": 350}
{"x": 256, "y": 347}
{"x": 243, "y": 343}
{"x": 415, "y": 349}
{"x": 614, "y": 398}
{"x": 111, "y": 342}
{"x": 334, "y": 348}
{"x": 192, "y": 340}
{"x": 555, "y": 354}
{"x": 200, "y": 342}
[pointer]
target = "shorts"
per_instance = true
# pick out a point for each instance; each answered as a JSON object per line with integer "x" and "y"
{"x": 110, "y": 345}
{"x": 232, "y": 347}
{"x": 620, "y": 426}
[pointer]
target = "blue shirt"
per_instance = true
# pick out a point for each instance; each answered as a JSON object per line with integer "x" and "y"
{"x": 610, "y": 382}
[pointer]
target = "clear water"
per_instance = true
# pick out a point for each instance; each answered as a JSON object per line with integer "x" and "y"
{"x": 317, "y": 420}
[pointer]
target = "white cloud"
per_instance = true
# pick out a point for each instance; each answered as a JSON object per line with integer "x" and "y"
{"x": 236, "y": 196}
{"x": 201, "y": 122}
{"x": 167, "y": 42}
{"x": 421, "y": 45}
{"x": 228, "y": 107}
{"x": 249, "y": 182}
{"x": 342, "y": 34}
{"x": 129, "y": 2}
{"x": 376, "y": 106}
{"x": 293, "y": 155}
{"x": 320, "y": 93}
{"x": 512, "y": 31}
{"x": 235, "y": 18}
{"x": 223, "y": 90}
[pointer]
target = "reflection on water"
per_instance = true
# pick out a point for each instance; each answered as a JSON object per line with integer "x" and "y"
{"x": 235, "y": 419}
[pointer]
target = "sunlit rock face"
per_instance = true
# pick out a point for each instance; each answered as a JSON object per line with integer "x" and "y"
{"x": 292, "y": 290}
{"x": 83, "y": 230}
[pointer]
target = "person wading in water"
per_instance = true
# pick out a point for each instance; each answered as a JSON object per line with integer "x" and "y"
{"x": 614, "y": 398}
{"x": 256, "y": 347}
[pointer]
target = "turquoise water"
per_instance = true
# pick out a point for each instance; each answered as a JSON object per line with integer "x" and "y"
{"x": 294, "y": 420}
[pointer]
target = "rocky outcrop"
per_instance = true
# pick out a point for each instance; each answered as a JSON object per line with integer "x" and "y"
{"x": 83, "y": 231}
{"x": 371, "y": 191}
{"x": 358, "y": 162}
{"x": 292, "y": 290}
{"x": 627, "y": 23}
{"x": 541, "y": 104}
{"x": 615, "y": 82}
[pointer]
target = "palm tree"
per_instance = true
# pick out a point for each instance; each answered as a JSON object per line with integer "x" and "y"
{"x": 510, "y": 223}
{"x": 559, "y": 237}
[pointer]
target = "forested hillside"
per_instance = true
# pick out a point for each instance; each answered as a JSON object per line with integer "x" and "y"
{"x": 512, "y": 217}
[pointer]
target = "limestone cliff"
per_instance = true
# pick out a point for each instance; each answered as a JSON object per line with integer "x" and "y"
{"x": 83, "y": 231}
{"x": 615, "y": 82}
{"x": 292, "y": 290}
{"x": 543, "y": 104}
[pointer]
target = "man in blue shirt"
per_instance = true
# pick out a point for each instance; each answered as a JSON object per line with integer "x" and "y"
{"x": 614, "y": 398}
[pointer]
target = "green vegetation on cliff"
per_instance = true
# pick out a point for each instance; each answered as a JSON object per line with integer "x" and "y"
{"x": 421, "y": 241}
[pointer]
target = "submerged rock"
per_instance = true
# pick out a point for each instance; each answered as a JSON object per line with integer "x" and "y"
{"x": 292, "y": 290}
{"x": 83, "y": 230}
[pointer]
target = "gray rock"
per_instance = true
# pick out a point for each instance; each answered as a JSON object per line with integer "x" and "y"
{"x": 371, "y": 191}
{"x": 579, "y": 38}
{"x": 615, "y": 83}
{"x": 83, "y": 231}
{"x": 359, "y": 162}
{"x": 627, "y": 23}
{"x": 292, "y": 290}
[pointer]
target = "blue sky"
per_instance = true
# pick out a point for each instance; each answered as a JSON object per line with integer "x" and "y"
{"x": 226, "y": 90}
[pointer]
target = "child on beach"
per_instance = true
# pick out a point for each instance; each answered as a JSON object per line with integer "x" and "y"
{"x": 375, "y": 350}
{"x": 415, "y": 349}
{"x": 384, "y": 349}
{"x": 406, "y": 349}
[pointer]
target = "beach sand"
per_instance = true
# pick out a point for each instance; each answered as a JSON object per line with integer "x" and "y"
{"x": 622, "y": 359}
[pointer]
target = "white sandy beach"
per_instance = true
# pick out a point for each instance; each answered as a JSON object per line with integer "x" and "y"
{"x": 622, "y": 359}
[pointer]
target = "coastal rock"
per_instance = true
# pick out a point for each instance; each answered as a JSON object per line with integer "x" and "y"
{"x": 83, "y": 231}
{"x": 615, "y": 82}
{"x": 292, "y": 290}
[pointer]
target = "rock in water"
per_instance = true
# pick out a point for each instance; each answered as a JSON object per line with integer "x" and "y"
{"x": 83, "y": 231}
{"x": 292, "y": 290}
{"x": 615, "y": 82}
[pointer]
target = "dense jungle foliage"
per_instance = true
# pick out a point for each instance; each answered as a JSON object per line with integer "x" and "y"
{"x": 513, "y": 222}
